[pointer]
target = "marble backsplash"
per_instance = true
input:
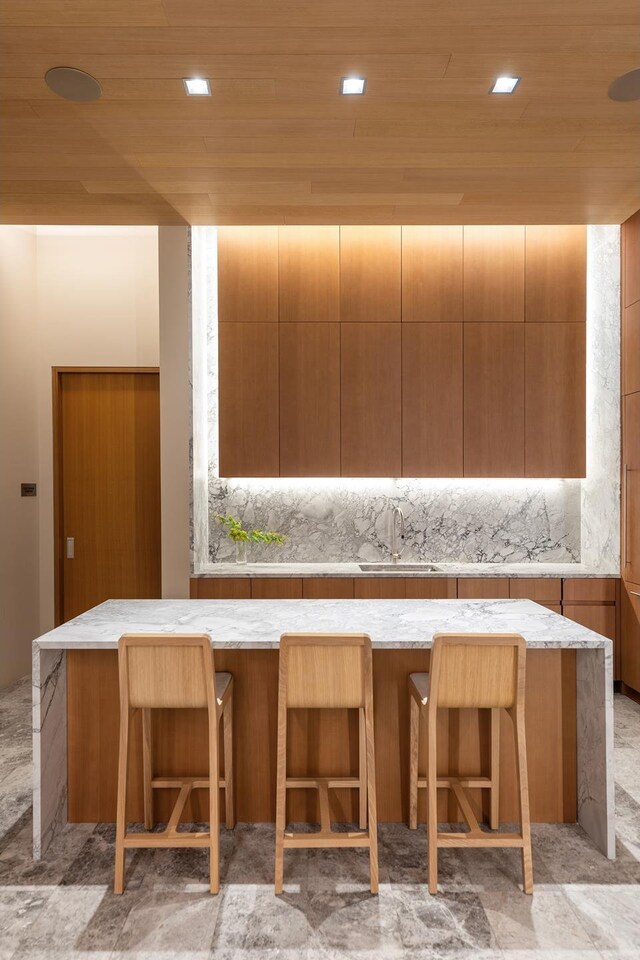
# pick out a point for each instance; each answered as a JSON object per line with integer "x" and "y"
{"x": 459, "y": 520}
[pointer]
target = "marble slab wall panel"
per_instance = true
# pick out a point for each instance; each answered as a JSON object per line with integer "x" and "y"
{"x": 458, "y": 520}
{"x": 49, "y": 684}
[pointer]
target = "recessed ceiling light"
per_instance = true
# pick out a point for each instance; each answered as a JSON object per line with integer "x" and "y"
{"x": 197, "y": 86}
{"x": 73, "y": 84}
{"x": 626, "y": 87}
{"x": 353, "y": 86}
{"x": 504, "y": 84}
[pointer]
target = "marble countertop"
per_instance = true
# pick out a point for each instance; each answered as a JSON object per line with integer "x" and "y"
{"x": 256, "y": 624}
{"x": 288, "y": 570}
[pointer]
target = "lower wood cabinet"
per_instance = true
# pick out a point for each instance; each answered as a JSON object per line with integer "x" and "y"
{"x": 544, "y": 590}
{"x": 276, "y": 588}
{"x": 483, "y": 588}
{"x": 220, "y": 588}
{"x": 327, "y": 588}
{"x": 630, "y": 635}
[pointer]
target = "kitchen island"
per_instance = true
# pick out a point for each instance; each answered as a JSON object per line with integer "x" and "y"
{"x": 569, "y": 712}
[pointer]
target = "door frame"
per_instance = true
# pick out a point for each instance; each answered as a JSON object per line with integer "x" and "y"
{"x": 58, "y": 515}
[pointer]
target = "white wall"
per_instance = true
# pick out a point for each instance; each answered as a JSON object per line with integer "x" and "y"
{"x": 19, "y": 611}
{"x": 70, "y": 296}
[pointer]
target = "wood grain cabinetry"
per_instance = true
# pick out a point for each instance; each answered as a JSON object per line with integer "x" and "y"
{"x": 432, "y": 444}
{"x": 483, "y": 588}
{"x": 630, "y": 635}
{"x": 309, "y": 400}
{"x": 556, "y": 266}
{"x": 249, "y": 400}
{"x": 276, "y": 588}
{"x": 371, "y": 400}
{"x": 493, "y": 400}
{"x": 220, "y": 588}
{"x": 370, "y": 274}
{"x": 631, "y": 348}
{"x": 327, "y": 588}
{"x": 555, "y": 375}
{"x": 631, "y": 488}
{"x": 544, "y": 590}
{"x": 461, "y": 387}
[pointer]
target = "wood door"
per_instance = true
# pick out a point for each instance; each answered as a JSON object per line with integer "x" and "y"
{"x": 631, "y": 489}
{"x": 555, "y": 412}
{"x": 371, "y": 404}
{"x": 494, "y": 274}
{"x": 309, "y": 274}
{"x": 556, "y": 274}
{"x": 309, "y": 399}
{"x": 493, "y": 400}
{"x": 108, "y": 488}
{"x": 249, "y": 400}
{"x": 431, "y": 274}
{"x": 248, "y": 274}
{"x": 432, "y": 400}
{"x": 630, "y": 636}
{"x": 370, "y": 274}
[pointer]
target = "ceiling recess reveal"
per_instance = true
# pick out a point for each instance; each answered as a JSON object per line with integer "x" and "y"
{"x": 73, "y": 84}
{"x": 626, "y": 87}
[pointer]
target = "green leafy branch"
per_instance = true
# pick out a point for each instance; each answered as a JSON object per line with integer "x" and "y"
{"x": 236, "y": 531}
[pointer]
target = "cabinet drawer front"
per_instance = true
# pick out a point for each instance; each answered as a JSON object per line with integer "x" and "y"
{"x": 431, "y": 588}
{"x": 379, "y": 588}
{"x": 483, "y": 588}
{"x": 327, "y": 588}
{"x": 220, "y": 588}
{"x": 541, "y": 589}
{"x": 598, "y": 590}
{"x": 600, "y": 617}
{"x": 276, "y": 588}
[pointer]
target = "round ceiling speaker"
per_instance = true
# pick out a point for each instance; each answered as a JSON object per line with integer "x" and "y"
{"x": 73, "y": 84}
{"x": 626, "y": 87}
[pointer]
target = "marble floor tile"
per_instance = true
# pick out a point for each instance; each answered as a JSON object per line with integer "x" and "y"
{"x": 534, "y": 922}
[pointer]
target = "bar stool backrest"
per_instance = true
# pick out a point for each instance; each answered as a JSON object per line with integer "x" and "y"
{"x": 320, "y": 670}
{"x": 167, "y": 670}
{"x": 477, "y": 670}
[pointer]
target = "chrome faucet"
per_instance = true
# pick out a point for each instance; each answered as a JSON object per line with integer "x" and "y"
{"x": 397, "y": 527}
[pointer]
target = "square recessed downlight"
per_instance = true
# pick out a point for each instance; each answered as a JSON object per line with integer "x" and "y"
{"x": 197, "y": 86}
{"x": 353, "y": 86}
{"x": 504, "y": 84}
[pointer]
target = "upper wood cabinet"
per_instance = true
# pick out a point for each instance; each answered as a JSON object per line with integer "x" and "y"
{"x": 431, "y": 274}
{"x": 370, "y": 274}
{"x": 371, "y": 405}
{"x": 310, "y": 399}
{"x": 555, "y": 370}
{"x": 556, "y": 274}
{"x": 309, "y": 259}
{"x": 249, "y": 387}
{"x": 248, "y": 274}
{"x": 494, "y": 274}
{"x": 494, "y": 400}
{"x": 631, "y": 260}
{"x": 631, "y": 348}
{"x": 432, "y": 400}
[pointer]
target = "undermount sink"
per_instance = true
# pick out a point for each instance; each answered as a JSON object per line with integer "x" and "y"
{"x": 427, "y": 567}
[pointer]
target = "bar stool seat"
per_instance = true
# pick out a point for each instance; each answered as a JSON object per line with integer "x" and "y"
{"x": 170, "y": 672}
{"x": 470, "y": 671}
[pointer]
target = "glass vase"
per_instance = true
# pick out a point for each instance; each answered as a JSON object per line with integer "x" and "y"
{"x": 241, "y": 551}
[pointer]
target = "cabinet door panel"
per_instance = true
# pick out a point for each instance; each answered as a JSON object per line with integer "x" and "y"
{"x": 379, "y": 588}
{"x": 556, "y": 274}
{"x": 599, "y": 617}
{"x": 630, "y": 636}
{"x": 555, "y": 421}
{"x": 631, "y": 262}
{"x": 544, "y": 590}
{"x": 370, "y": 274}
{"x": 431, "y": 588}
{"x": 589, "y": 590}
{"x": 371, "y": 400}
{"x": 310, "y": 399}
{"x": 309, "y": 259}
{"x": 248, "y": 375}
{"x": 432, "y": 400}
{"x": 276, "y": 588}
{"x": 483, "y": 588}
{"x": 431, "y": 274}
{"x": 631, "y": 348}
{"x": 220, "y": 588}
{"x": 494, "y": 274}
{"x": 327, "y": 588}
{"x": 494, "y": 400}
{"x": 631, "y": 489}
{"x": 248, "y": 274}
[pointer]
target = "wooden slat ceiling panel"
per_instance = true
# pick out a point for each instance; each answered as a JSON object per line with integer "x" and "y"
{"x": 277, "y": 144}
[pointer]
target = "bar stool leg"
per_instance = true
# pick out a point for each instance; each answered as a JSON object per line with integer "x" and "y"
{"x": 494, "y": 821}
{"x": 414, "y": 741}
{"x": 121, "y": 810}
{"x": 227, "y": 731}
{"x": 523, "y": 798}
{"x": 281, "y": 794}
{"x": 432, "y": 807}
{"x": 362, "y": 772}
{"x": 147, "y": 769}
{"x": 371, "y": 799}
{"x": 214, "y": 810}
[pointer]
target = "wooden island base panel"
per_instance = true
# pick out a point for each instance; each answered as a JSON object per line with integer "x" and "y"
{"x": 320, "y": 742}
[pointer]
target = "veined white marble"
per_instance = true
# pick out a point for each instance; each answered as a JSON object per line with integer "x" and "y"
{"x": 391, "y": 624}
{"x": 451, "y": 520}
{"x": 460, "y": 570}
{"x": 258, "y": 624}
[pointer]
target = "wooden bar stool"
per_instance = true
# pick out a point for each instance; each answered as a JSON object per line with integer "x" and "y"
{"x": 319, "y": 670}
{"x": 173, "y": 672}
{"x": 472, "y": 670}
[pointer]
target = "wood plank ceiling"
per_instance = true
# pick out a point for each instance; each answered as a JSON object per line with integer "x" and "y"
{"x": 275, "y": 143}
